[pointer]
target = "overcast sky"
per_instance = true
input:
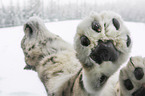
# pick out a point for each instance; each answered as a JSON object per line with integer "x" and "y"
{"x": 21, "y": 2}
{"x": 14, "y": 2}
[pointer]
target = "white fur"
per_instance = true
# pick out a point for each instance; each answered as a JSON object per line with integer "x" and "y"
{"x": 67, "y": 62}
{"x": 128, "y": 73}
{"x": 119, "y": 38}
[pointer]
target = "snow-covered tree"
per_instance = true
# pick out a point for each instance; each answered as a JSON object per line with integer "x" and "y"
{"x": 53, "y": 10}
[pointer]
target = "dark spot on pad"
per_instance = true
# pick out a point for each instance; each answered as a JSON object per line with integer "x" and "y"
{"x": 128, "y": 41}
{"x": 96, "y": 26}
{"x": 116, "y": 23}
{"x": 128, "y": 84}
{"x": 138, "y": 72}
{"x": 84, "y": 40}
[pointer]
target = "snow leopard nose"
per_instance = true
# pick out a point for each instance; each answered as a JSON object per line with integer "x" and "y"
{"x": 140, "y": 91}
{"x": 104, "y": 51}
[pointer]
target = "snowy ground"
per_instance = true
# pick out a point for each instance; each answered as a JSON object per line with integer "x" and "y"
{"x": 14, "y": 81}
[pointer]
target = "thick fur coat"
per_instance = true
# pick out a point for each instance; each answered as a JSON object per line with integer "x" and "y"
{"x": 101, "y": 45}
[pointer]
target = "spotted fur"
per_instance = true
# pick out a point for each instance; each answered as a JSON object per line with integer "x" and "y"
{"x": 68, "y": 71}
{"x": 48, "y": 55}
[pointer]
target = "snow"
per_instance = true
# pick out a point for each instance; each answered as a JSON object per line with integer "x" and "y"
{"x": 14, "y": 81}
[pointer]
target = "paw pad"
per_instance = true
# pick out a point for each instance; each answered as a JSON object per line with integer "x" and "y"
{"x": 139, "y": 92}
{"x": 130, "y": 76}
{"x": 128, "y": 84}
{"x": 128, "y": 41}
{"x": 84, "y": 40}
{"x": 138, "y": 72}
{"x": 116, "y": 23}
{"x": 96, "y": 26}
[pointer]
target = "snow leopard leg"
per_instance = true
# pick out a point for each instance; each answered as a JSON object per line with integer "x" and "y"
{"x": 102, "y": 43}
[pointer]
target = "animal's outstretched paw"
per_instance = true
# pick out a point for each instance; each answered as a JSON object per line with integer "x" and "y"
{"x": 102, "y": 43}
{"x": 132, "y": 79}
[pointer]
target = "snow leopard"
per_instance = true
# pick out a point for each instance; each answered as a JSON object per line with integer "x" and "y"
{"x": 90, "y": 67}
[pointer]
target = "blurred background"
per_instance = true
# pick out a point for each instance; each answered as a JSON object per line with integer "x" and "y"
{"x": 16, "y": 12}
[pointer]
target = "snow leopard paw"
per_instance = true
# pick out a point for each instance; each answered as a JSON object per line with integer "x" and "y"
{"x": 132, "y": 79}
{"x": 102, "y": 43}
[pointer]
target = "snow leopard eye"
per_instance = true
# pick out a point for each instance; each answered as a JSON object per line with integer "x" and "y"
{"x": 96, "y": 26}
{"x": 128, "y": 42}
{"x": 84, "y": 40}
{"x": 116, "y": 23}
{"x": 27, "y": 27}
